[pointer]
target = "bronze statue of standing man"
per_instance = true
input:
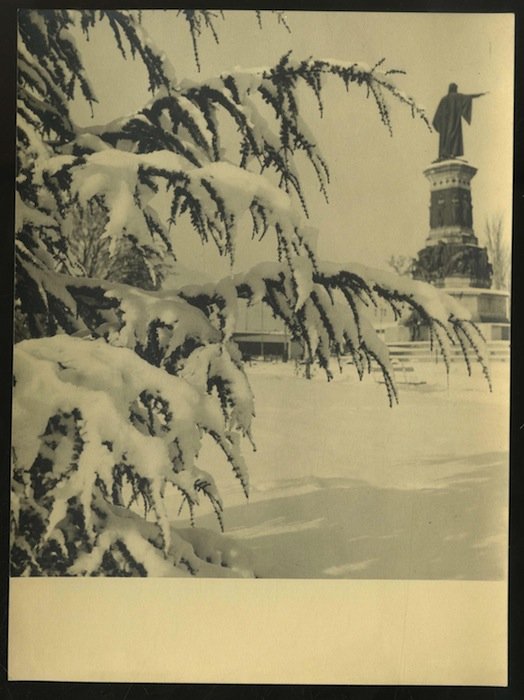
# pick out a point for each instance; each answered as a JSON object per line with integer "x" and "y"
{"x": 448, "y": 121}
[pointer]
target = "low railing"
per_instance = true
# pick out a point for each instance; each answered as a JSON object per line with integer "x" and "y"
{"x": 421, "y": 351}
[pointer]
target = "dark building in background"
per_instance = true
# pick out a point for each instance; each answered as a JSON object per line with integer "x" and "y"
{"x": 261, "y": 336}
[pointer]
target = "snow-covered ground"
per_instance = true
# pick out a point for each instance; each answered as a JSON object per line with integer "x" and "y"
{"x": 342, "y": 486}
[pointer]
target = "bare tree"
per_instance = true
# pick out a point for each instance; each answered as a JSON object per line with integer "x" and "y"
{"x": 90, "y": 254}
{"x": 498, "y": 251}
{"x": 401, "y": 264}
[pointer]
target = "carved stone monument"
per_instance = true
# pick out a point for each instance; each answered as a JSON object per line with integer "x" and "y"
{"x": 452, "y": 257}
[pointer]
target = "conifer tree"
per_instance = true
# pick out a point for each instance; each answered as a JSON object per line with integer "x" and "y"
{"x": 117, "y": 382}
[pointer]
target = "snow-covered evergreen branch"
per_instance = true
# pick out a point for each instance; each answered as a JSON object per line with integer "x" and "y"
{"x": 117, "y": 381}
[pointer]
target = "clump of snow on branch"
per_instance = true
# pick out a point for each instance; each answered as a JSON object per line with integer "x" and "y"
{"x": 97, "y": 431}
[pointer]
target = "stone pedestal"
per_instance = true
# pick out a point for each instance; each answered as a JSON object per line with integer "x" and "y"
{"x": 452, "y": 258}
{"x": 451, "y": 209}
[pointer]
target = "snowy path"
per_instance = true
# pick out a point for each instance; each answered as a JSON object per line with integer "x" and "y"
{"x": 344, "y": 486}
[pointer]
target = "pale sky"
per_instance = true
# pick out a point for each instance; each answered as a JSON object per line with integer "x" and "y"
{"x": 379, "y": 197}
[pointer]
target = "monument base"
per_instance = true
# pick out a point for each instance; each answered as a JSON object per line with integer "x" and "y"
{"x": 402, "y": 334}
{"x": 451, "y": 218}
{"x": 495, "y": 331}
{"x": 484, "y": 305}
{"x": 488, "y": 308}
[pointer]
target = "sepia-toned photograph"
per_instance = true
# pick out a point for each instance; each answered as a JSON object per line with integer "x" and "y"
{"x": 262, "y": 297}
